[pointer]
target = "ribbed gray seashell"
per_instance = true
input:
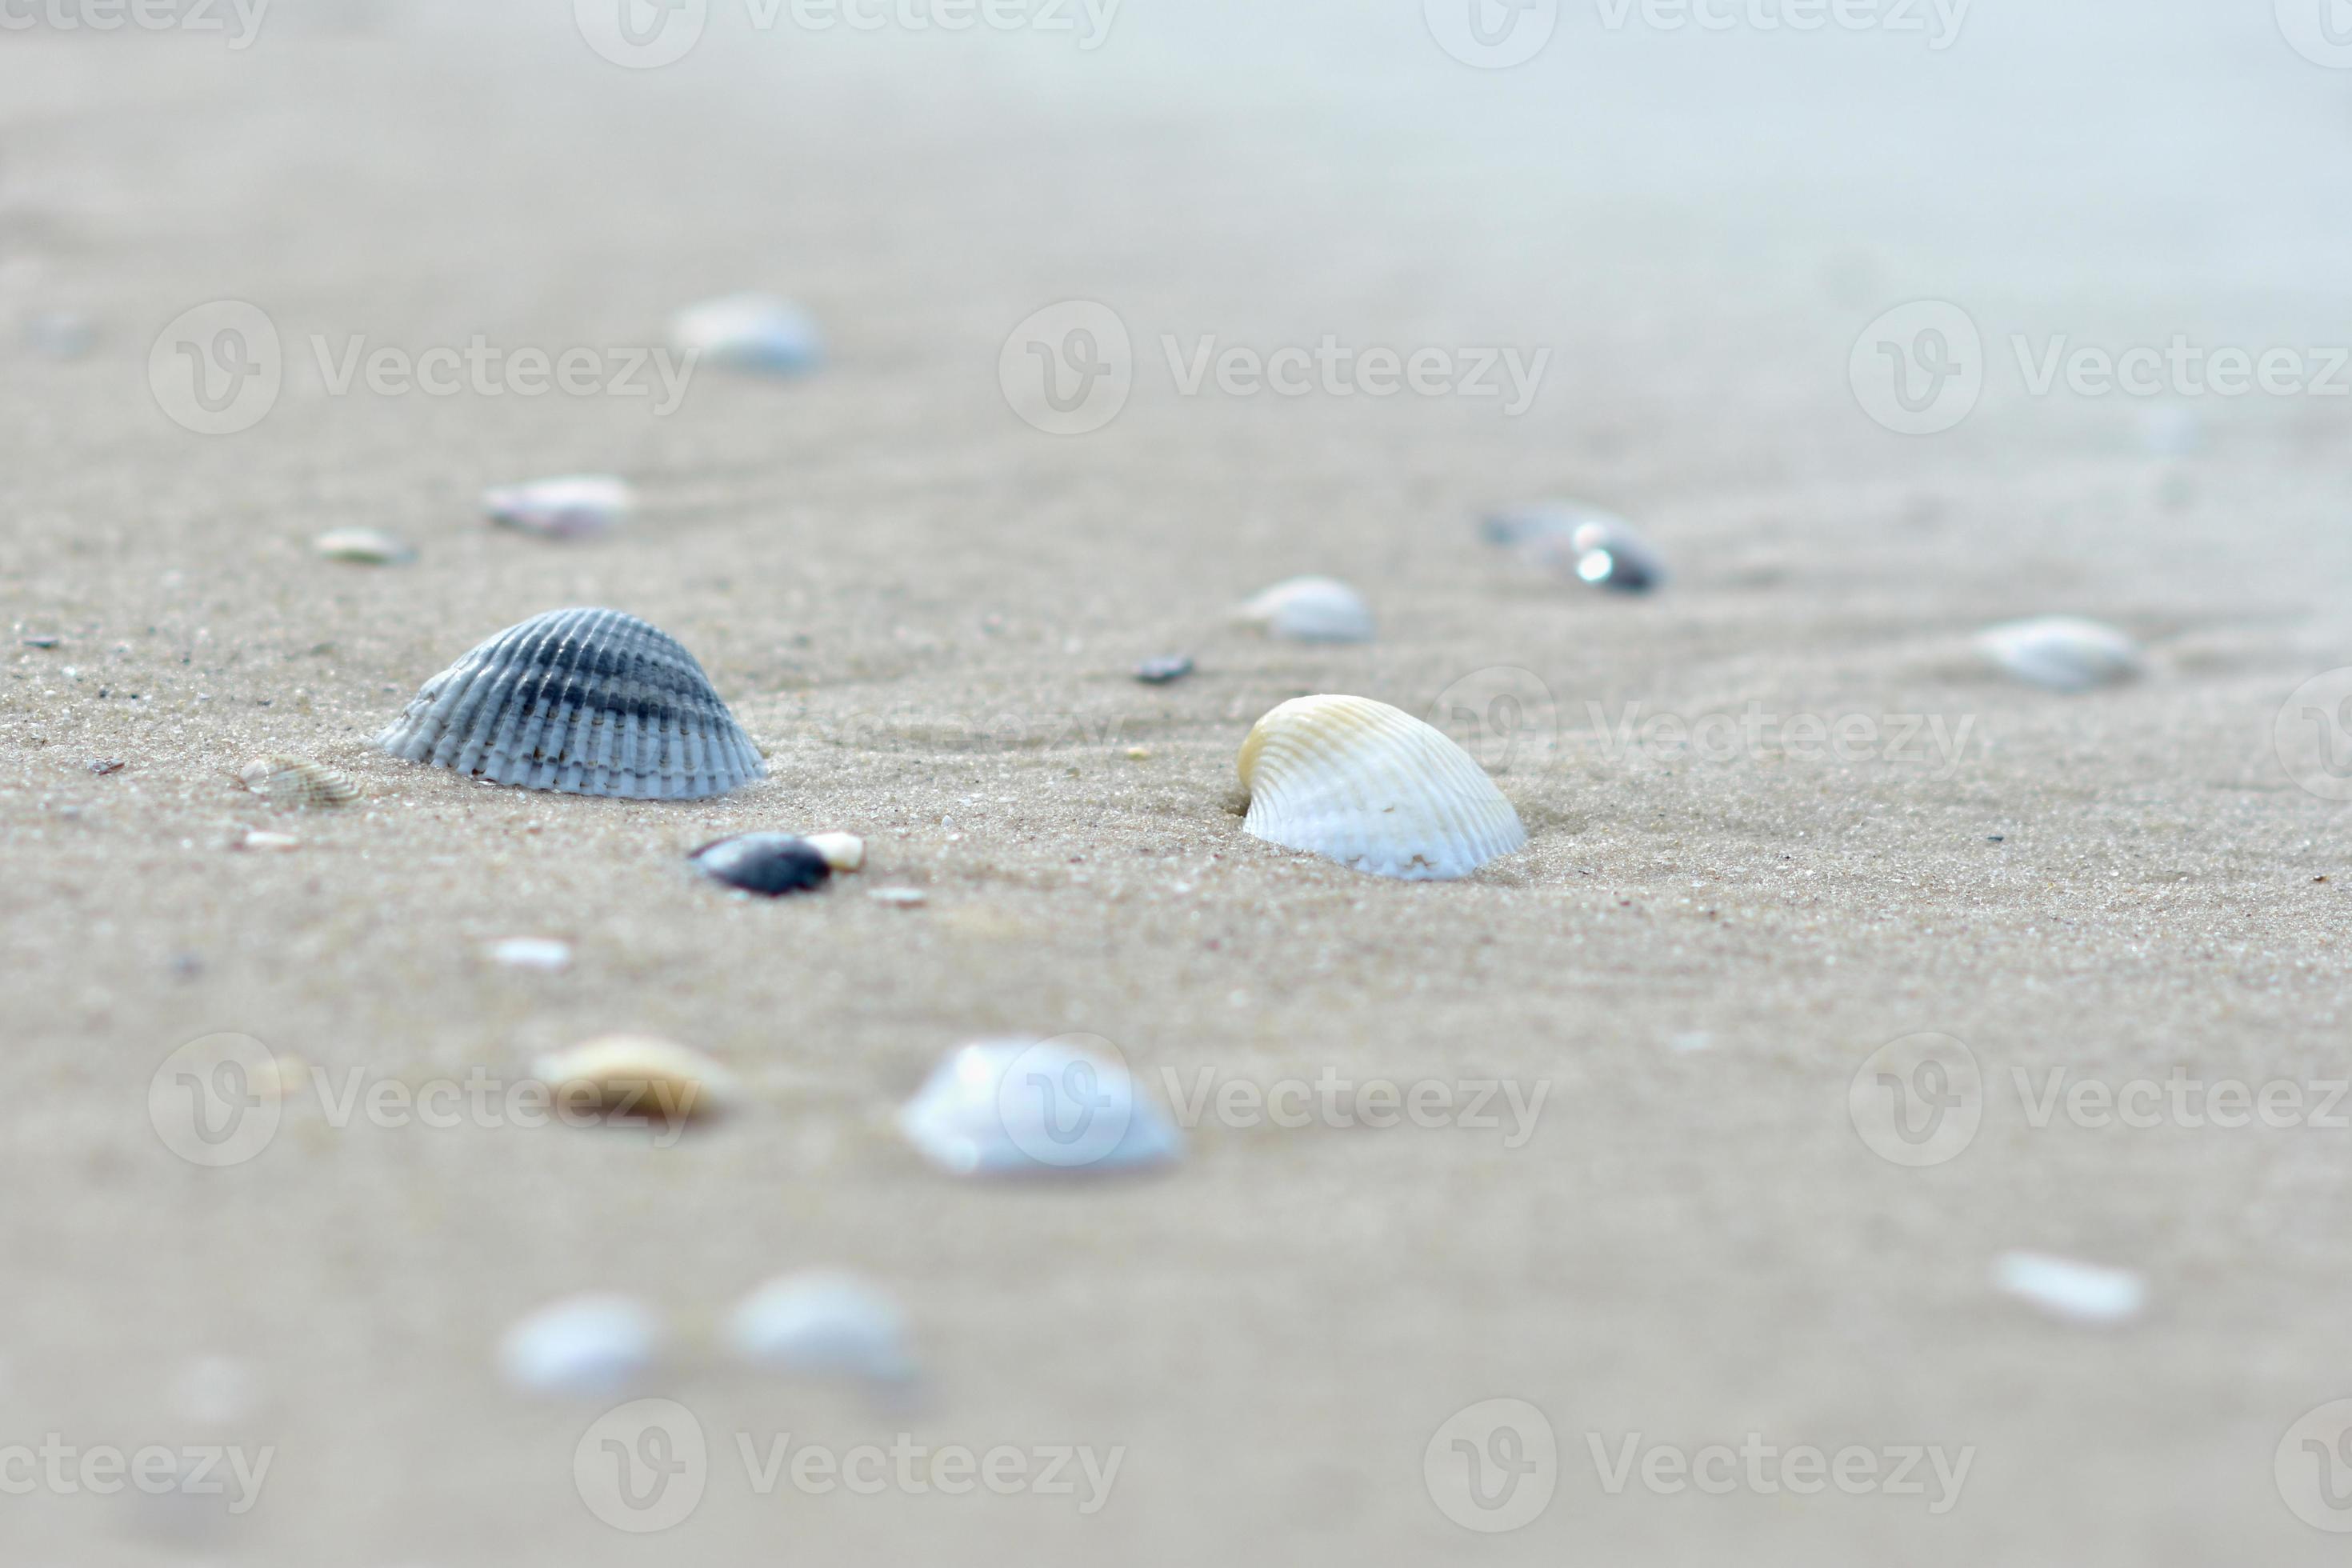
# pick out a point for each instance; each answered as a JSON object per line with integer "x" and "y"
{"x": 584, "y": 701}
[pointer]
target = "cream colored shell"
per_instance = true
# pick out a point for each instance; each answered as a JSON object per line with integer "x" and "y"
{"x": 640, "y": 1076}
{"x": 1364, "y": 783}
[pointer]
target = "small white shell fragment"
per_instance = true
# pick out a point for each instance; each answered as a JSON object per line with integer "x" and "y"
{"x": 363, "y": 547}
{"x": 842, "y": 851}
{"x": 593, "y": 1346}
{"x": 1310, "y": 609}
{"x": 900, "y": 898}
{"x": 297, "y": 781}
{"x": 1004, "y": 1107}
{"x": 541, "y": 953}
{"x": 639, "y": 1076}
{"x": 2077, "y": 1292}
{"x": 824, "y": 1324}
{"x": 575, "y": 506}
{"x": 2062, "y": 653}
{"x": 750, "y": 332}
{"x": 1372, "y": 787}
{"x": 256, "y": 840}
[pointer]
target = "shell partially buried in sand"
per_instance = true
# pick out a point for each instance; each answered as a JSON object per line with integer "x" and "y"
{"x": 582, "y": 701}
{"x": 297, "y": 781}
{"x": 1374, "y": 788}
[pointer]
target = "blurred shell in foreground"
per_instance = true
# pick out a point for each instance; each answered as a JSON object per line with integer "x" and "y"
{"x": 1000, "y": 1108}
{"x": 2062, "y": 653}
{"x": 582, "y": 701}
{"x": 1310, "y": 609}
{"x": 1360, "y": 783}
{"x": 770, "y": 863}
{"x": 297, "y": 781}
{"x": 577, "y": 506}
{"x": 1594, "y": 547}
{"x": 639, "y": 1076}
{"x": 594, "y": 1346}
{"x": 824, "y": 1324}
{"x": 750, "y": 332}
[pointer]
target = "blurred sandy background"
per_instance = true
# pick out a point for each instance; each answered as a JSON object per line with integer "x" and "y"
{"x": 928, "y": 610}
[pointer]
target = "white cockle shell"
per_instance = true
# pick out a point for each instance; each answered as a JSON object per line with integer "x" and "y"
{"x": 1310, "y": 609}
{"x": 582, "y": 701}
{"x": 2063, "y": 653}
{"x": 1370, "y": 786}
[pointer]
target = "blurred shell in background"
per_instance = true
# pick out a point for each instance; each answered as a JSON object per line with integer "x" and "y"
{"x": 1037, "y": 1107}
{"x": 2062, "y": 653}
{"x": 1310, "y": 609}
{"x": 754, "y": 332}
{"x": 1571, "y": 540}
{"x": 575, "y": 506}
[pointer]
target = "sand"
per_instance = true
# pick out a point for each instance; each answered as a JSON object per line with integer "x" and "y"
{"x": 928, "y": 611}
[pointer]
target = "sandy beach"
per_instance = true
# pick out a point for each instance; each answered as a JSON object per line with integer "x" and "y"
{"x": 1668, "y": 1223}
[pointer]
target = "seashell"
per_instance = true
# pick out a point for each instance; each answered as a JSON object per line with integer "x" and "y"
{"x": 577, "y": 506}
{"x": 594, "y": 1345}
{"x": 842, "y": 851}
{"x": 749, "y": 332}
{"x": 294, "y": 781}
{"x": 2062, "y": 652}
{"x": 1002, "y": 1107}
{"x": 541, "y": 952}
{"x": 1163, "y": 671}
{"x": 771, "y": 863}
{"x": 900, "y": 897}
{"x": 2077, "y": 1292}
{"x": 1310, "y": 609}
{"x": 584, "y": 702}
{"x": 824, "y": 1324}
{"x": 253, "y": 839}
{"x": 1594, "y": 547}
{"x": 1360, "y": 783}
{"x": 640, "y": 1077}
{"x": 363, "y": 547}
